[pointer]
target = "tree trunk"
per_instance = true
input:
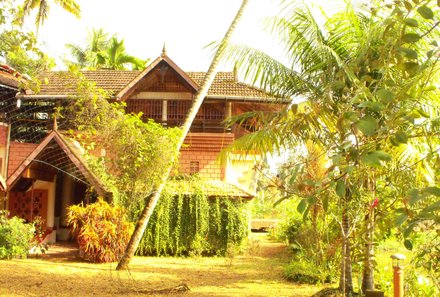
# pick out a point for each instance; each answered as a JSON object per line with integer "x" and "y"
{"x": 368, "y": 273}
{"x": 154, "y": 198}
{"x": 346, "y": 279}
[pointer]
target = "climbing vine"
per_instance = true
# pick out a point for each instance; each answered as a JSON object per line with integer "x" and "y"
{"x": 187, "y": 222}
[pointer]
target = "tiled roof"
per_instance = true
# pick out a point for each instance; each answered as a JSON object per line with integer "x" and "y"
{"x": 113, "y": 81}
{"x": 7, "y": 77}
{"x": 211, "y": 188}
{"x": 65, "y": 83}
{"x": 226, "y": 84}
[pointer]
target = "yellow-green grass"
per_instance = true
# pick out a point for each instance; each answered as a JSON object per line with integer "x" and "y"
{"x": 257, "y": 273}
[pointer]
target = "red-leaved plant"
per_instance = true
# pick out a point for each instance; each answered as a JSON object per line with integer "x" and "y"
{"x": 101, "y": 230}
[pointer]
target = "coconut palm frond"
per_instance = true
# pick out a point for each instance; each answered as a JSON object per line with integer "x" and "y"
{"x": 70, "y": 6}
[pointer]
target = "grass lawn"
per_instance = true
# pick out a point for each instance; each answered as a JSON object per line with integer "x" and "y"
{"x": 258, "y": 273}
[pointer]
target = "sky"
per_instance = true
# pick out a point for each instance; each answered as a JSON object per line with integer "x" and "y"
{"x": 186, "y": 27}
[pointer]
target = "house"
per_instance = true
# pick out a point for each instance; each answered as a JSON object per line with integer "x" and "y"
{"x": 43, "y": 171}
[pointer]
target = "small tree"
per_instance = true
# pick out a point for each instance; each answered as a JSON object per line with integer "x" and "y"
{"x": 129, "y": 155}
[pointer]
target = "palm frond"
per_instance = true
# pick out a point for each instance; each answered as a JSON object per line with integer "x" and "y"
{"x": 70, "y": 6}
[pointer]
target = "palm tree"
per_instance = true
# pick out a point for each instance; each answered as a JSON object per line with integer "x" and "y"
{"x": 103, "y": 53}
{"x": 97, "y": 41}
{"x": 113, "y": 56}
{"x": 43, "y": 7}
{"x": 344, "y": 70}
{"x": 152, "y": 201}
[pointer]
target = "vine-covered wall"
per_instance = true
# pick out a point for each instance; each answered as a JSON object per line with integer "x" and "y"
{"x": 193, "y": 224}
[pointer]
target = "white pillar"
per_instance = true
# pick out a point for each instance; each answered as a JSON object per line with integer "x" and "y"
{"x": 164, "y": 111}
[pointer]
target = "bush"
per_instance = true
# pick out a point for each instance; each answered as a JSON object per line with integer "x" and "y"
{"x": 15, "y": 237}
{"x": 101, "y": 230}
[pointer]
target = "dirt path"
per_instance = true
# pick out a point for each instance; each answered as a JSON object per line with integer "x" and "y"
{"x": 59, "y": 273}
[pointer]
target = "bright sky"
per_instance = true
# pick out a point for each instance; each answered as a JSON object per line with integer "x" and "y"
{"x": 186, "y": 27}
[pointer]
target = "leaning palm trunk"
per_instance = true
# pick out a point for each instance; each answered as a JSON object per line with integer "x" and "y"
{"x": 154, "y": 198}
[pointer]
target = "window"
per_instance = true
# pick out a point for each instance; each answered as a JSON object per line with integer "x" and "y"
{"x": 194, "y": 167}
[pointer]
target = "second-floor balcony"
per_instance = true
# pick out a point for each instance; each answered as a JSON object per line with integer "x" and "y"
{"x": 172, "y": 113}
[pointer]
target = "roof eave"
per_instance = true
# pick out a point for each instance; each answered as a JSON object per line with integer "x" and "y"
{"x": 247, "y": 99}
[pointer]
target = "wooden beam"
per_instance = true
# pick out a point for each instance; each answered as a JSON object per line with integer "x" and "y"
{"x": 40, "y": 174}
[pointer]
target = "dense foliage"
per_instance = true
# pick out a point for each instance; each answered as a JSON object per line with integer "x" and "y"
{"x": 101, "y": 230}
{"x": 16, "y": 237}
{"x": 368, "y": 77}
{"x": 186, "y": 222}
{"x": 127, "y": 154}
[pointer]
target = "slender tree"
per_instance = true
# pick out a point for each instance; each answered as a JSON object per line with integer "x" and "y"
{"x": 152, "y": 201}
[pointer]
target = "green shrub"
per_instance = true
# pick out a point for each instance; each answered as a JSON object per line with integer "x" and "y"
{"x": 193, "y": 224}
{"x": 15, "y": 237}
{"x": 101, "y": 230}
{"x": 304, "y": 273}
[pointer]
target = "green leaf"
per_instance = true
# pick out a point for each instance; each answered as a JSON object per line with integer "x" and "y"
{"x": 394, "y": 141}
{"x": 374, "y": 106}
{"x": 383, "y": 156}
{"x": 432, "y": 207}
{"x": 411, "y": 37}
{"x": 385, "y": 95}
{"x": 311, "y": 200}
{"x": 302, "y": 206}
{"x": 294, "y": 174}
{"x": 401, "y": 137}
{"x": 409, "y": 53}
{"x": 414, "y": 196}
{"x": 374, "y": 158}
{"x": 306, "y": 212}
{"x": 433, "y": 191}
{"x": 411, "y": 67}
{"x": 408, "y": 5}
{"x": 423, "y": 113}
{"x": 340, "y": 188}
{"x": 407, "y": 232}
{"x": 425, "y": 12}
{"x": 367, "y": 125}
{"x": 408, "y": 244}
{"x": 350, "y": 115}
{"x": 325, "y": 203}
{"x": 411, "y": 22}
{"x": 401, "y": 219}
{"x": 281, "y": 200}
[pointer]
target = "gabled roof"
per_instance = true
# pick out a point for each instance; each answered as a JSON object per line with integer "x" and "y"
{"x": 43, "y": 151}
{"x": 128, "y": 90}
{"x": 122, "y": 83}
